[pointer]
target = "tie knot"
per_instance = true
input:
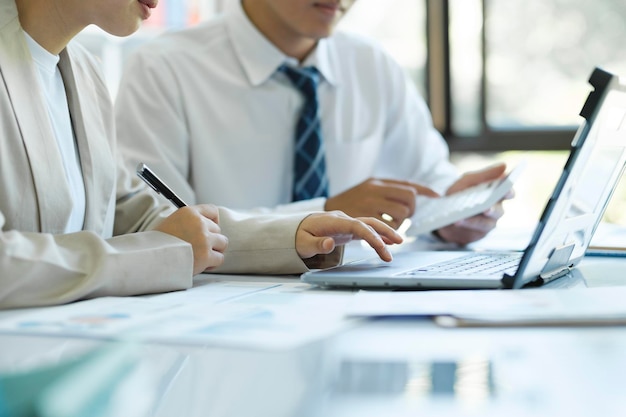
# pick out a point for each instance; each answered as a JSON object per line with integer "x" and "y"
{"x": 303, "y": 78}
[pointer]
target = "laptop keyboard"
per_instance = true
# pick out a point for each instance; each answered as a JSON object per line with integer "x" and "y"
{"x": 472, "y": 264}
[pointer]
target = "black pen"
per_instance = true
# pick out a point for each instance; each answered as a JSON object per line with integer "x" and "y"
{"x": 157, "y": 185}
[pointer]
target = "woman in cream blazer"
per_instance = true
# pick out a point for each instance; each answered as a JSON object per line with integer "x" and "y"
{"x": 117, "y": 252}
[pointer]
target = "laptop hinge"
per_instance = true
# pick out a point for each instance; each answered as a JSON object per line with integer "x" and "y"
{"x": 558, "y": 261}
{"x": 554, "y": 275}
{"x": 557, "y": 266}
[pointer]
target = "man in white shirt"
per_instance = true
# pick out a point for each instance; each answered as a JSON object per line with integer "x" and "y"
{"x": 209, "y": 109}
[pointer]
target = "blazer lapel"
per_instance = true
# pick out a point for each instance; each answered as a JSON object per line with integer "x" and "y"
{"x": 88, "y": 120}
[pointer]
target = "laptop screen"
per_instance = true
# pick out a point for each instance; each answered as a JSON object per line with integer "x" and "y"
{"x": 590, "y": 176}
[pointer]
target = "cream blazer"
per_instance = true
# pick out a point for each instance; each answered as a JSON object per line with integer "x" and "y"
{"x": 41, "y": 266}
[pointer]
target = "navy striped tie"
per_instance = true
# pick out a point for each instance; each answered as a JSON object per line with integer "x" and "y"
{"x": 310, "y": 179}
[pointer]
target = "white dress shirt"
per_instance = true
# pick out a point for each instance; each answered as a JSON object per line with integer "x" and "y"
{"x": 56, "y": 100}
{"x": 205, "y": 108}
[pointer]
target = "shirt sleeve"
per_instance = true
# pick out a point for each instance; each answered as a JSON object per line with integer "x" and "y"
{"x": 414, "y": 149}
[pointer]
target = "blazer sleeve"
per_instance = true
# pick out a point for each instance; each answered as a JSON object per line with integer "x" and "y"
{"x": 267, "y": 245}
{"x": 39, "y": 269}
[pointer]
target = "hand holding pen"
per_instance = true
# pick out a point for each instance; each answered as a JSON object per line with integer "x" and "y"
{"x": 197, "y": 225}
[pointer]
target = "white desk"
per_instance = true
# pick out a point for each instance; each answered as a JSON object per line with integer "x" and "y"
{"x": 373, "y": 367}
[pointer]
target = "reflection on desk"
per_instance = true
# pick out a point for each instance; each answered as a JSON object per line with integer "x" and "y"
{"x": 317, "y": 362}
{"x": 482, "y": 372}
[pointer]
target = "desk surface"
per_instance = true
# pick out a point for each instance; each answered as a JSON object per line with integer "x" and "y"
{"x": 316, "y": 362}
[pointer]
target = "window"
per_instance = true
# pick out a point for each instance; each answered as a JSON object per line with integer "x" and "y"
{"x": 538, "y": 55}
{"x": 500, "y": 74}
{"x": 531, "y": 81}
{"x": 504, "y": 77}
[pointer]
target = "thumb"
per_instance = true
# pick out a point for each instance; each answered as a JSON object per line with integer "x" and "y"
{"x": 489, "y": 173}
{"x": 312, "y": 245}
{"x": 472, "y": 178}
{"x": 326, "y": 245}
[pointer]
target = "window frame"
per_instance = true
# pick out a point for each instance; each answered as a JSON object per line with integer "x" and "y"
{"x": 439, "y": 97}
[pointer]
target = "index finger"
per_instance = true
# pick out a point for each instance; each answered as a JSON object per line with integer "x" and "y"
{"x": 377, "y": 234}
{"x": 362, "y": 230}
{"x": 389, "y": 234}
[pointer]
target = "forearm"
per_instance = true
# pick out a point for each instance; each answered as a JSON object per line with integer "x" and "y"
{"x": 43, "y": 269}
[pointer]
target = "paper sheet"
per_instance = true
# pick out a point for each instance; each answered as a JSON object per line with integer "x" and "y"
{"x": 581, "y": 306}
{"x": 259, "y": 315}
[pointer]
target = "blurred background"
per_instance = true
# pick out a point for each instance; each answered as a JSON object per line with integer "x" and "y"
{"x": 504, "y": 79}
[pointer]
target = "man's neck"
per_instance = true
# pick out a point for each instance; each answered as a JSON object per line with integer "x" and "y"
{"x": 298, "y": 47}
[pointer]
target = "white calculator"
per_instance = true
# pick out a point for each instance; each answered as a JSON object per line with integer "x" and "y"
{"x": 434, "y": 213}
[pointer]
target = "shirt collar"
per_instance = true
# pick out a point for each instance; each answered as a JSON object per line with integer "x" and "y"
{"x": 260, "y": 58}
{"x": 44, "y": 59}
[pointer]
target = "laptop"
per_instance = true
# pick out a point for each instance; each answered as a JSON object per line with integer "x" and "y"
{"x": 593, "y": 169}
